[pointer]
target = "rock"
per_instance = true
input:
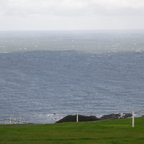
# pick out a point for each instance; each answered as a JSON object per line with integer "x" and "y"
{"x": 110, "y": 116}
{"x": 116, "y": 116}
{"x": 72, "y": 118}
{"x": 127, "y": 115}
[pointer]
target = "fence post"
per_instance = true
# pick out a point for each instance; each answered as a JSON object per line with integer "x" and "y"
{"x": 77, "y": 118}
{"x": 10, "y": 120}
{"x": 20, "y": 121}
{"x": 15, "y": 121}
{"x": 132, "y": 118}
{"x": 5, "y": 121}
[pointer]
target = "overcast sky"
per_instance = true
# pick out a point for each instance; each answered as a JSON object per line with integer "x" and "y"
{"x": 71, "y": 14}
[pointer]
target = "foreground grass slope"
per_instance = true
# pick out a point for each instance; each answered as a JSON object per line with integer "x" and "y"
{"x": 102, "y": 132}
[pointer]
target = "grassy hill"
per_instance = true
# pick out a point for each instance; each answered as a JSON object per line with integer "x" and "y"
{"x": 101, "y": 132}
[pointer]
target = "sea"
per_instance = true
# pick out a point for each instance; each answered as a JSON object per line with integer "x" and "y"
{"x": 46, "y": 75}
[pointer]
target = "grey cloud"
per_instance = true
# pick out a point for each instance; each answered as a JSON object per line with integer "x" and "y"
{"x": 96, "y": 11}
{"x": 63, "y": 10}
{"x": 15, "y": 12}
{"x": 71, "y": 14}
{"x": 90, "y": 11}
{"x": 123, "y": 11}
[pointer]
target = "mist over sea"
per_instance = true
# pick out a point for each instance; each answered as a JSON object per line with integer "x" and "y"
{"x": 45, "y": 75}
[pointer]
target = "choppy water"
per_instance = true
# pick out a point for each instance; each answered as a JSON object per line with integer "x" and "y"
{"x": 47, "y": 75}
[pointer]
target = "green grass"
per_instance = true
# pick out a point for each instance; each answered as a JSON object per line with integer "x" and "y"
{"x": 101, "y": 132}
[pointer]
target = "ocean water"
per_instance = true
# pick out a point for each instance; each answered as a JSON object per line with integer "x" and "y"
{"x": 47, "y": 75}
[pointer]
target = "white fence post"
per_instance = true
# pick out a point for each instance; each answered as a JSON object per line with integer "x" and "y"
{"x": 10, "y": 120}
{"x": 132, "y": 118}
{"x": 77, "y": 118}
{"x": 20, "y": 121}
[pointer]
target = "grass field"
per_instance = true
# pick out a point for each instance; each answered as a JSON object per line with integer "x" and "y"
{"x": 102, "y": 132}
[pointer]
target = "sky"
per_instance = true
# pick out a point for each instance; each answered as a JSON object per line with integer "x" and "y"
{"x": 71, "y": 14}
